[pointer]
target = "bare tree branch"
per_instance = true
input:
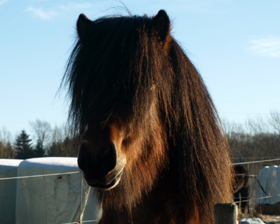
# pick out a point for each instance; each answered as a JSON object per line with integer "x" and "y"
{"x": 274, "y": 121}
{"x": 42, "y": 129}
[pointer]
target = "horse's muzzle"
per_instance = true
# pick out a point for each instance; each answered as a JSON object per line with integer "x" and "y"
{"x": 101, "y": 168}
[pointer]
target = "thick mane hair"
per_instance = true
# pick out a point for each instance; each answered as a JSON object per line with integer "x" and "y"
{"x": 123, "y": 67}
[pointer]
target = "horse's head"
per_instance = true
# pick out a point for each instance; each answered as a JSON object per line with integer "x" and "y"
{"x": 115, "y": 81}
{"x": 100, "y": 156}
{"x": 241, "y": 177}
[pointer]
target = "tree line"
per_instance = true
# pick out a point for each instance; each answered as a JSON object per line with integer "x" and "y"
{"x": 255, "y": 139}
{"x": 57, "y": 141}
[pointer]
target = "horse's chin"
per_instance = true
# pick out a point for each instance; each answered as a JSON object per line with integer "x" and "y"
{"x": 101, "y": 185}
{"x": 109, "y": 186}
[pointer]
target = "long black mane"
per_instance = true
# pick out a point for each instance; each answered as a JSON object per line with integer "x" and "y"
{"x": 116, "y": 51}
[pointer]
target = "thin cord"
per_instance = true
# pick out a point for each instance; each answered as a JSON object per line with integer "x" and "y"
{"x": 261, "y": 161}
{"x": 81, "y": 197}
{"x": 256, "y": 198}
{"x": 78, "y": 222}
{"x": 43, "y": 175}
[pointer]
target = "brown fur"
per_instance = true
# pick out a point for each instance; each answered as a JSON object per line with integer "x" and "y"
{"x": 241, "y": 187}
{"x": 128, "y": 76}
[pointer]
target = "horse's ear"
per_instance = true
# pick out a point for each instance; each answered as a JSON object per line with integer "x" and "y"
{"x": 161, "y": 23}
{"x": 82, "y": 24}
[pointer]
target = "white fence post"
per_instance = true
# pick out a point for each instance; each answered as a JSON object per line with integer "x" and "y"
{"x": 226, "y": 213}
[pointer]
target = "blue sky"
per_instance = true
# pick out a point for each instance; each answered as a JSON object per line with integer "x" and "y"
{"x": 235, "y": 46}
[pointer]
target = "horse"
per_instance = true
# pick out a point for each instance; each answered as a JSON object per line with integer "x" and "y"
{"x": 151, "y": 141}
{"x": 241, "y": 187}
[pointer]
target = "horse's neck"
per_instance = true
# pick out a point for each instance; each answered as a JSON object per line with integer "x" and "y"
{"x": 145, "y": 212}
{"x": 158, "y": 207}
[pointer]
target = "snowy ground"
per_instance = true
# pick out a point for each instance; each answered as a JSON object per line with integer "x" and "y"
{"x": 270, "y": 219}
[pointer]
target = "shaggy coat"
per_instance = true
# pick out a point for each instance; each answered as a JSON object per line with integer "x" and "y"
{"x": 151, "y": 139}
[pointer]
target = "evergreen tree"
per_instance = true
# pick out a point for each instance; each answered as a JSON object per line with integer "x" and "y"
{"x": 68, "y": 147}
{"x": 23, "y": 146}
{"x": 39, "y": 149}
{"x": 56, "y": 149}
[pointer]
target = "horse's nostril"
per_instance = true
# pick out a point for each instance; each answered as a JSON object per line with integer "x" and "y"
{"x": 104, "y": 161}
{"x": 108, "y": 157}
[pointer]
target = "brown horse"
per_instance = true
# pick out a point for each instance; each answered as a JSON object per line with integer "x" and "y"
{"x": 151, "y": 140}
{"x": 241, "y": 188}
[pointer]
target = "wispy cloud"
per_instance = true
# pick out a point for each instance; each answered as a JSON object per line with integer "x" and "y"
{"x": 74, "y": 6}
{"x": 266, "y": 47}
{"x": 42, "y": 14}
{"x": 58, "y": 10}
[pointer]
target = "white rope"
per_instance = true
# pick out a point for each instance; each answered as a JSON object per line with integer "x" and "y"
{"x": 248, "y": 175}
{"x": 261, "y": 161}
{"x": 86, "y": 198}
{"x": 80, "y": 222}
{"x": 53, "y": 174}
{"x": 43, "y": 175}
{"x": 256, "y": 198}
{"x": 81, "y": 198}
